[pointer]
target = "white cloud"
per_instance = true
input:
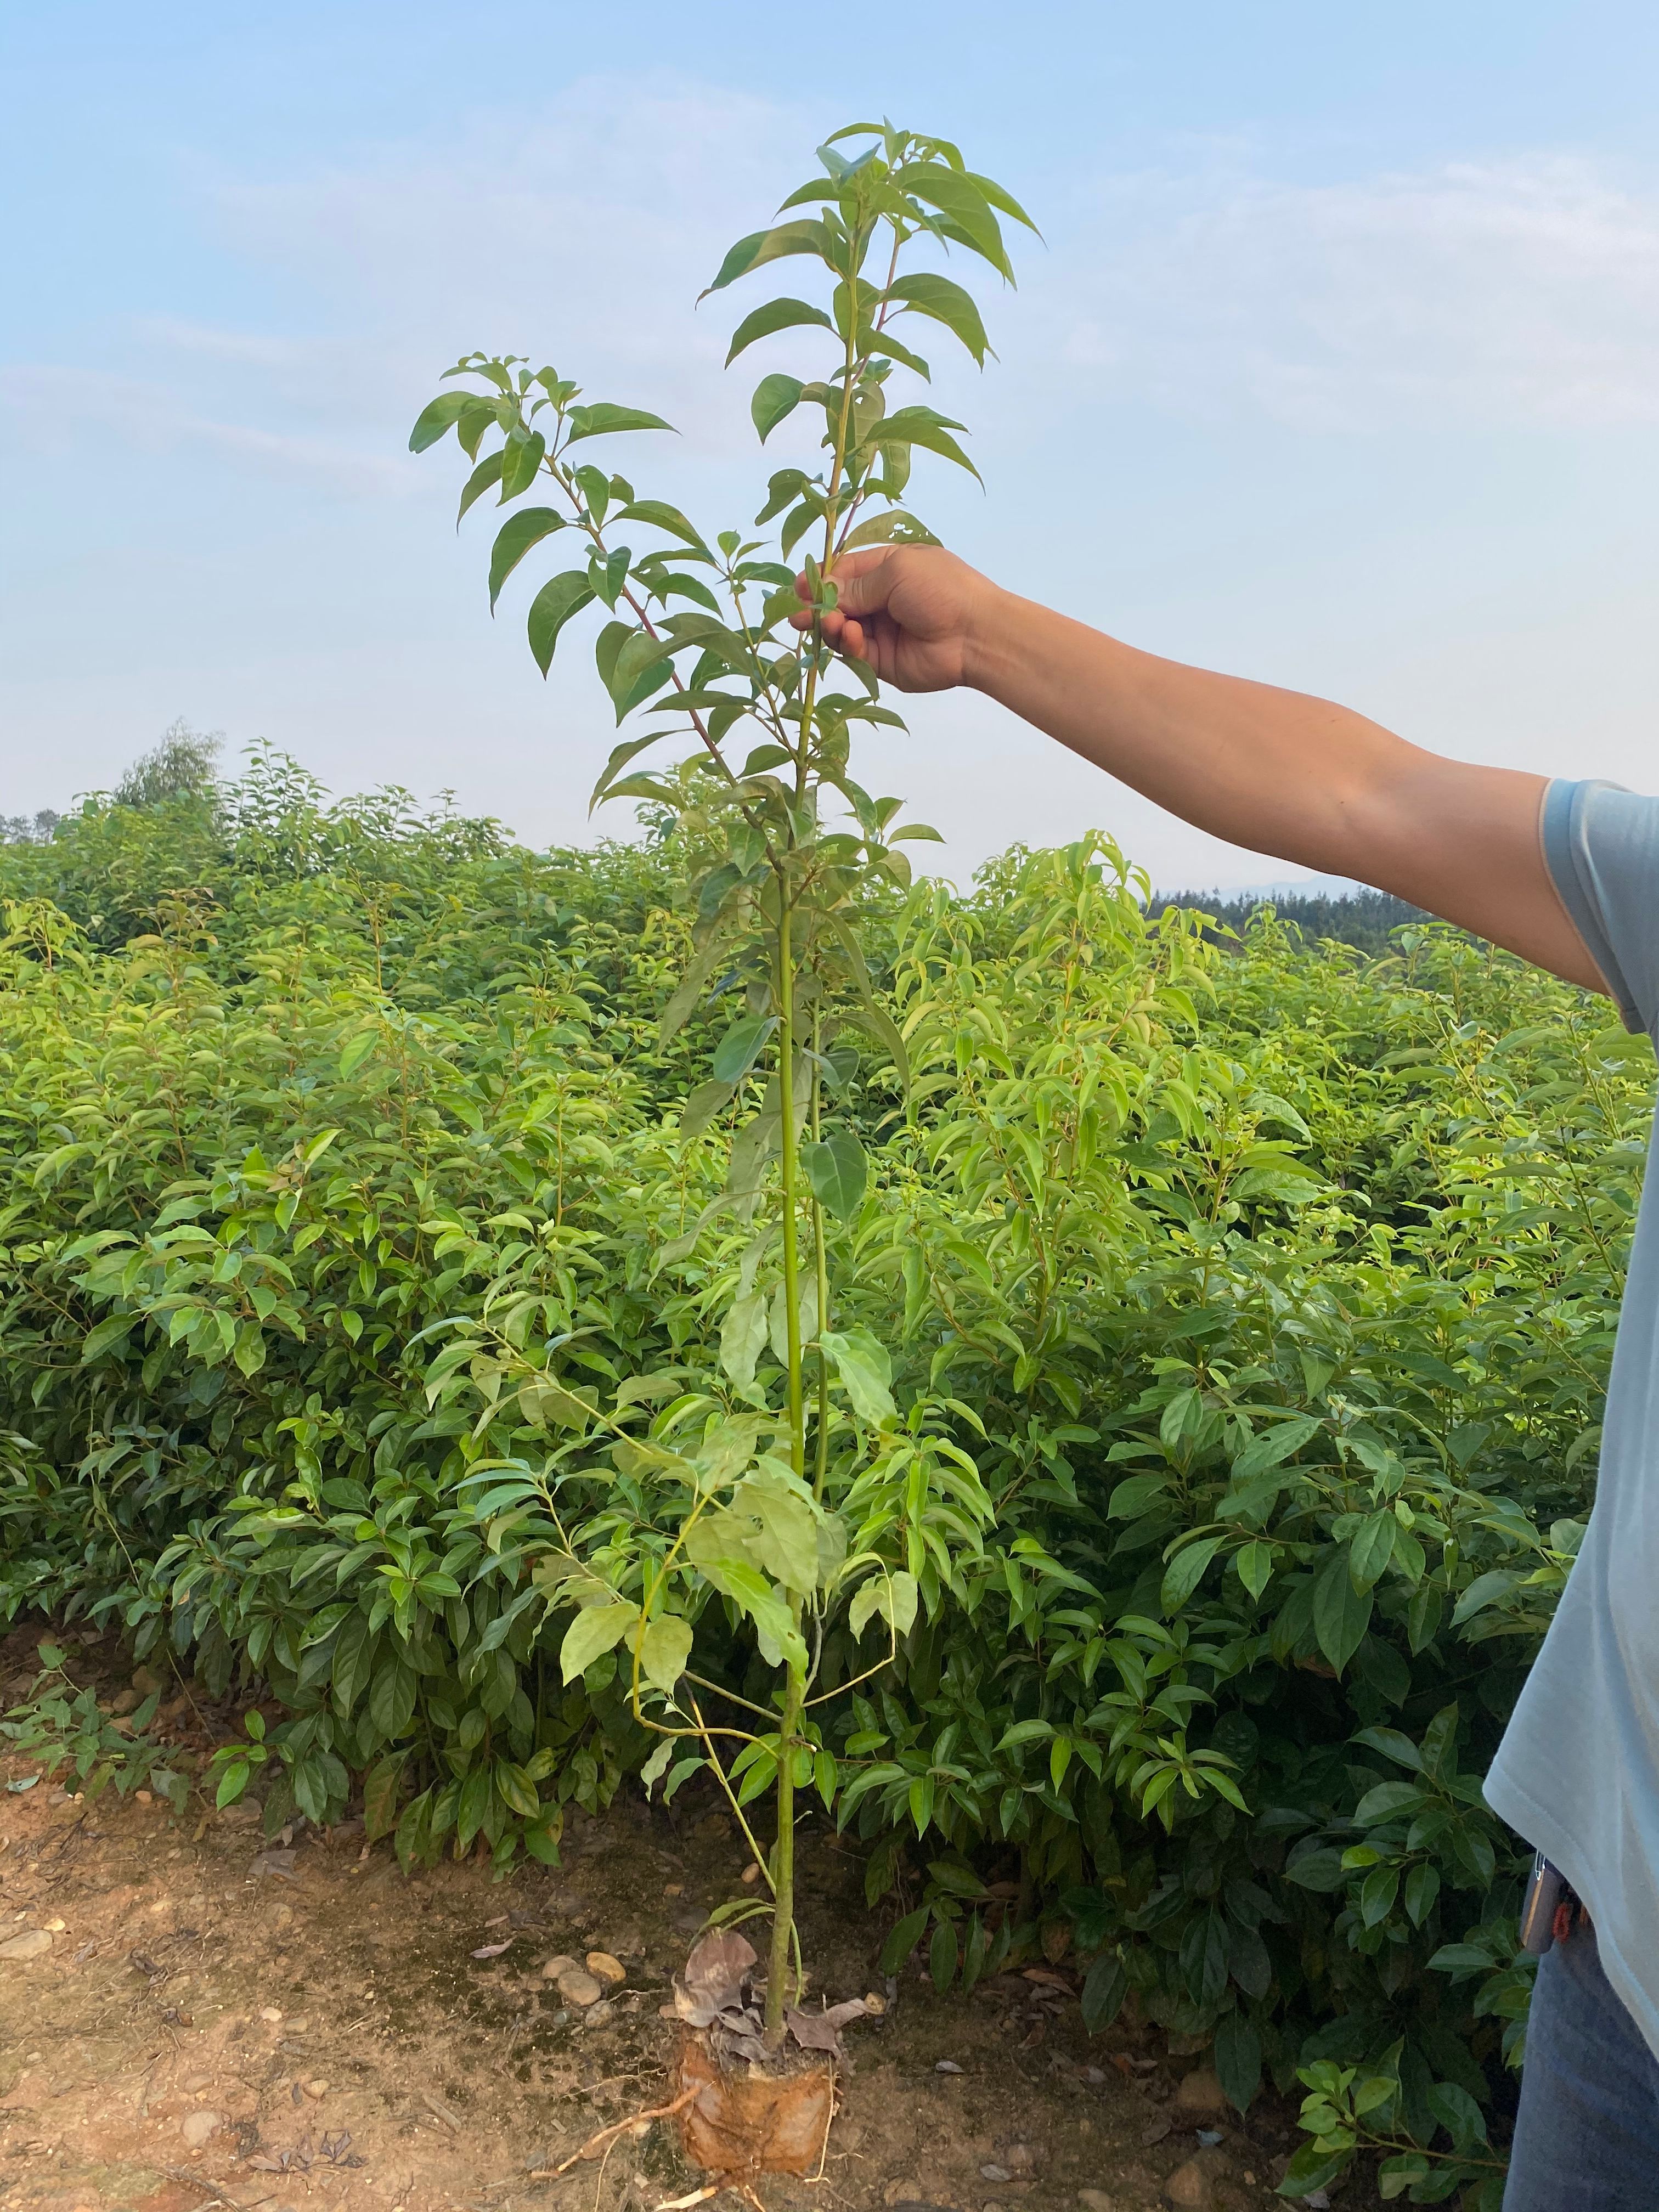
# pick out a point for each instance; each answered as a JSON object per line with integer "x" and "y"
{"x": 1523, "y": 293}
{"x": 583, "y": 231}
{"x": 1464, "y": 297}
{"x": 53, "y": 408}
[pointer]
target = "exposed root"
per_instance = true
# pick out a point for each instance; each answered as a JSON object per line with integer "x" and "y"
{"x": 635, "y": 2124}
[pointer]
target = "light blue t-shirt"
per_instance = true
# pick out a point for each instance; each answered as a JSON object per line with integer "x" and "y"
{"x": 1578, "y": 1771}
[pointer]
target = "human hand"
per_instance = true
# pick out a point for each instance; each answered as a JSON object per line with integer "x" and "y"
{"x": 915, "y": 613}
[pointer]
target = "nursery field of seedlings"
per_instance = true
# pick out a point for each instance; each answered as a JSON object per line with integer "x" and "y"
{"x": 685, "y": 1433}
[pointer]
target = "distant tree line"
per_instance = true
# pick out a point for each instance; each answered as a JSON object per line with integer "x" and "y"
{"x": 1361, "y": 918}
{"x": 184, "y": 764}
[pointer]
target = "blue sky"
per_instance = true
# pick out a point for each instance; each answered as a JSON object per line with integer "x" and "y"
{"x": 1340, "y": 365}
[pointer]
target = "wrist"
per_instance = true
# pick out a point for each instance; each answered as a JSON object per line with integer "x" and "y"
{"x": 989, "y": 646}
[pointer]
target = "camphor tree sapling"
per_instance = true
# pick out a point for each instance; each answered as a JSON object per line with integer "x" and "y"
{"x": 794, "y": 1490}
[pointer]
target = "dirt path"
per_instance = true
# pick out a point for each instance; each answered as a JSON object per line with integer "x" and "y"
{"x": 219, "y": 2023}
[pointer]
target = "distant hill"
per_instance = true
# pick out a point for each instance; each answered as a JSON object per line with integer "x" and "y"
{"x": 1361, "y": 918}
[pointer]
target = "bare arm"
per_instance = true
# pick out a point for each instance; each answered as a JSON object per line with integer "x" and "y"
{"x": 1276, "y": 771}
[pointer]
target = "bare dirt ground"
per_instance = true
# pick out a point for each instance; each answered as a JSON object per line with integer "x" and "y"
{"x": 218, "y": 2021}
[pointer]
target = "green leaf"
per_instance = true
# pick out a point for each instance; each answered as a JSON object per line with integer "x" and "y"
{"x": 1341, "y": 1615}
{"x": 665, "y": 1648}
{"x": 391, "y": 1699}
{"x": 1386, "y": 1802}
{"x": 1392, "y": 1745}
{"x": 1274, "y": 1445}
{"x": 1458, "y": 2113}
{"x": 920, "y": 426}
{"x": 865, "y": 1373}
{"x": 903, "y": 1940}
{"x": 1237, "y": 2055}
{"x": 1312, "y": 2166}
{"x": 594, "y": 1631}
{"x": 1372, "y": 1547}
{"x": 1186, "y": 1570}
{"x": 1377, "y": 1893}
{"x": 1105, "y": 1988}
{"x": 661, "y": 516}
{"x": 1001, "y": 199}
{"x": 1486, "y": 1590}
{"x": 784, "y": 1538}
{"x": 600, "y": 419}
{"x": 552, "y": 608}
{"x": 838, "y": 1169}
{"x": 357, "y": 1051}
{"x": 488, "y": 472}
{"x": 1254, "y": 1565}
{"x": 105, "y": 1334}
{"x": 440, "y": 416}
{"x": 923, "y": 293}
{"x": 741, "y": 1047}
{"x": 546, "y": 1400}
{"x": 743, "y": 1337}
{"x": 1422, "y": 1888}
{"x": 764, "y": 245}
{"x": 380, "y": 1787}
{"x": 232, "y": 1782}
{"x": 955, "y": 195}
{"x": 776, "y": 396}
{"x": 943, "y": 1956}
{"x": 521, "y": 460}
{"x": 639, "y": 667}
{"x": 776, "y": 315}
{"x": 1321, "y": 1870}
{"x": 515, "y": 540}
{"x": 896, "y": 527}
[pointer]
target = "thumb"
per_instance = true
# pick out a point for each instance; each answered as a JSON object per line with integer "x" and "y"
{"x": 863, "y": 580}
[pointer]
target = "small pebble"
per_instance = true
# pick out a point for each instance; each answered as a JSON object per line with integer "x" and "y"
{"x": 1188, "y": 2188}
{"x": 560, "y": 1964}
{"x": 143, "y": 1797}
{"x": 994, "y": 2173}
{"x": 1200, "y": 2092}
{"x": 751, "y": 1872}
{"x": 947, "y": 2066}
{"x": 606, "y": 1967}
{"x": 199, "y": 2128}
{"x": 32, "y": 1943}
{"x": 1210, "y": 2137}
{"x": 316, "y": 2090}
{"x": 53, "y": 1926}
{"x": 269, "y": 2012}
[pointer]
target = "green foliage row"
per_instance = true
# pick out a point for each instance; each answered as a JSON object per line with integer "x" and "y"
{"x": 1268, "y": 1296}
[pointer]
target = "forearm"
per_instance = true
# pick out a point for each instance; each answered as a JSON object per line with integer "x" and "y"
{"x": 1276, "y": 771}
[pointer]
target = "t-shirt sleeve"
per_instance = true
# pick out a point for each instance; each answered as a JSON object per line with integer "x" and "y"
{"x": 1601, "y": 848}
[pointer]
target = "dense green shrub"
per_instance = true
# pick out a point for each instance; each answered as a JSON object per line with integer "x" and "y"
{"x": 1271, "y": 1292}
